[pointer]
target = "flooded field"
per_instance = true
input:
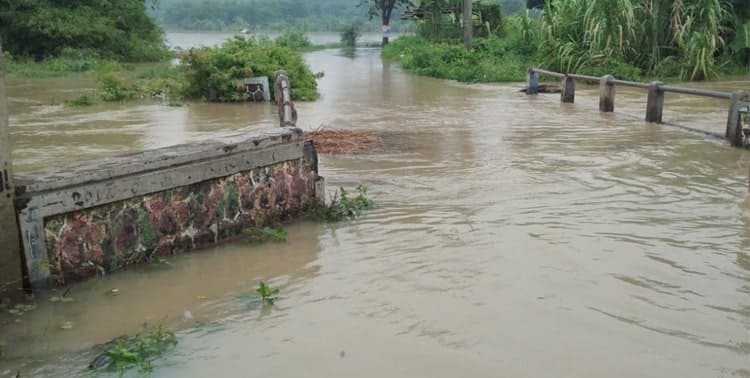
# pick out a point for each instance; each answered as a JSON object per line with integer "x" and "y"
{"x": 513, "y": 236}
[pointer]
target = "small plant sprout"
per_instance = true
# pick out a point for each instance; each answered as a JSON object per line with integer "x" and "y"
{"x": 260, "y": 235}
{"x": 139, "y": 352}
{"x": 342, "y": 206}
{"x": 267, "y": 293}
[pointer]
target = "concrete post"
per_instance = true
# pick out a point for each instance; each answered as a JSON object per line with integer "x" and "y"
{"x": 468, "y": 23}
{"x": 11, "y": 276}
{"x": 606, "y": 94}
{"x": 568, "y": 92}
{"x": 734, "y": 120}
{"x": 283, "y": 95}
{"x": 655, "y": 103}
{"x": 532, "y": 84}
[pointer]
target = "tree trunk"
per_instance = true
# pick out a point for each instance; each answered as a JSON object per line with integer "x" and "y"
{"x": 468, "y": 23}
{"x": 387, "y": 20}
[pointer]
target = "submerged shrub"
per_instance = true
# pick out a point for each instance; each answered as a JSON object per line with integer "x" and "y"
{"x": 114, "y": 88}
{"x": 350, "y": 34}
{"x": 217, "y": 73}
{"x": 82, "y": 100}
{"x": 138, "y": 352}
{"x": 294, "y": 38}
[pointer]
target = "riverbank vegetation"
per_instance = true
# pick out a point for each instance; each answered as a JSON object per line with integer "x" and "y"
{"x": 631, "y": 39}
{"x": 108, "y": 30}
{"x": 235, "y": 15}
{"x": 216, "y": 73}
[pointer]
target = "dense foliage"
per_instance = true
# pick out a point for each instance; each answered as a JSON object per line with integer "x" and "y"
{"x": 493, "y": 59}
{"x": 695, "y": 39}
{"x": 120, "y": 30}
{"x": 216, "y": 73}
{"x": 689, "y": 39}
{"x": 262, "y": 14}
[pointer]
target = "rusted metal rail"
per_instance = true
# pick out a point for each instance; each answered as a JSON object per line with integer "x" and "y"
{"x": 739, "y": 101}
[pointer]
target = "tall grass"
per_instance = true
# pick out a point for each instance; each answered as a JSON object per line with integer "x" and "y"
{"x": 650, "y": 35}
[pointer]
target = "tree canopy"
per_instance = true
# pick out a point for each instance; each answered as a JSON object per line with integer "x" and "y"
{"x": 237, "y": 14}
{"x": 117, "y": 29}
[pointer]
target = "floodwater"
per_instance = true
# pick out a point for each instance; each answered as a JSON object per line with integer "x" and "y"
{"x": 514, "y": 236}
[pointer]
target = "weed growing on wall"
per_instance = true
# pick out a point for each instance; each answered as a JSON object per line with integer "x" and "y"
{"x": 342, "y": 206}
{"x": 265, "y": 234}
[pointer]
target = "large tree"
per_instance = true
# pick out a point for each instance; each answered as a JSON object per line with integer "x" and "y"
{"x": 384, "y": 8}
{"x": 119, "y": 29}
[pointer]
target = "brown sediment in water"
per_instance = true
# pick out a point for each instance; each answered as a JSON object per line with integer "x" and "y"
{"x": 333, "y": 141}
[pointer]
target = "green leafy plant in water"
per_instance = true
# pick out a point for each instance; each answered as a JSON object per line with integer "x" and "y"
{"x": 112, "y": 88}
{"x": 141, "y": 351}
{"x": 259, "y": 235}
{"x": 82, "y": 100}
{"x": 350, "y": 35}
{"x": 267, "y": 293}
{"x": 342, "y": 206}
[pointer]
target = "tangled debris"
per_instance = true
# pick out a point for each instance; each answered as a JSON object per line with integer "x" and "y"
{"x": 332, "y": 141}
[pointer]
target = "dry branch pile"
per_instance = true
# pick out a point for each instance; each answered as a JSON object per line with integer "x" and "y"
{"x": 331, "y": 141}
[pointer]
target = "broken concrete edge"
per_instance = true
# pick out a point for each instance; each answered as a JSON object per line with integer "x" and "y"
{"x": 84, "y": 187}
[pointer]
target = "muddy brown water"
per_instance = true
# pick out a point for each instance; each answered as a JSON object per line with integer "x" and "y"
{"x": 514, "y": 236}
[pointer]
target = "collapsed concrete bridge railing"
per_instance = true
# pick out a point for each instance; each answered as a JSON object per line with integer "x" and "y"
{"x": 98, "y": 217}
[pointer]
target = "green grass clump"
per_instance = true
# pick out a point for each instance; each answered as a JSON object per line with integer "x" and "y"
{"x": 113, "y": 88}
{"x": 82, "y": 100}
{"x": 69, "y": 61}
{"x": 491, "y": 60}
{"x": 265, "y": 234}
{"x": 342, "y": 206}
{"x": 139, "y": 352}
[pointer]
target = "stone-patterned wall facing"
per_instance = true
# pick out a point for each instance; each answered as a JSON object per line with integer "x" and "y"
{"x": 107, "y": 238}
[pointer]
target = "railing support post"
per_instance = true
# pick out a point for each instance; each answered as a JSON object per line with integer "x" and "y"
{"x": 532, "y": 86}
{"x": 734, "y": 120}
{"x": 655, "y": 103}
{"x": 11, "y": 272}
{"x": 568, "y": 92}
{"x": 283, "y": 95}
{"x": 606, "y": 94}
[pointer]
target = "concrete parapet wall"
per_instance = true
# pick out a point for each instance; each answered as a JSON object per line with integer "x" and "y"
{"x": 98, "y": 217}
